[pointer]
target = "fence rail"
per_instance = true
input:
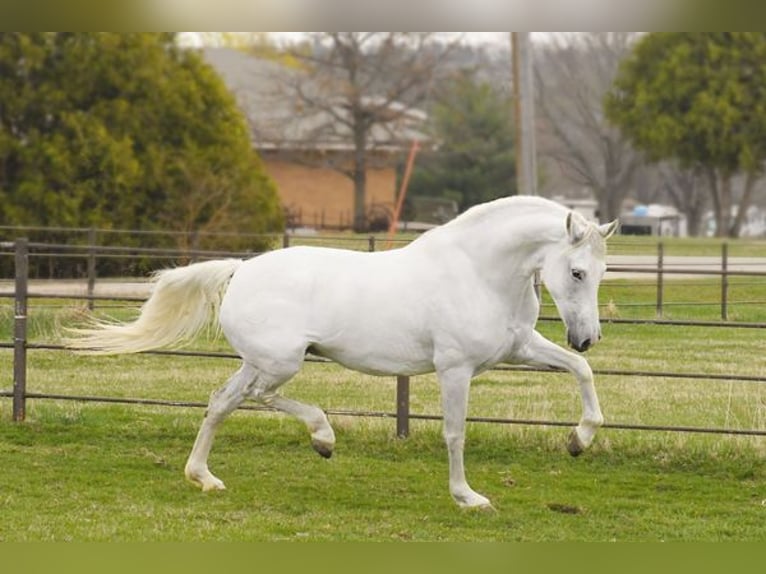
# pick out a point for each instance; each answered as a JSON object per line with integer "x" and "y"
{"x": 90, "y": 253}
{"x": 20, "y": 346}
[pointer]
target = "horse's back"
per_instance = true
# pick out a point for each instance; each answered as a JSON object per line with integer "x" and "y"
{"x": 344, "y": 304}
{"x": 288, "y": 278}
{"x": 304, "y": 271}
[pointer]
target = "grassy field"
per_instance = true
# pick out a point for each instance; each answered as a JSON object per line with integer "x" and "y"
{"x": 92, "y": 472}
{"x": 114, "y": 473}
{"x": 87, "y": 471}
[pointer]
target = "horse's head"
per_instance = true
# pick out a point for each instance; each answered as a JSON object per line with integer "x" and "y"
{"x": 572, "y": 276}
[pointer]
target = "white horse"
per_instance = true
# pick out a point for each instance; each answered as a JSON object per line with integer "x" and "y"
{"x": 457, "y": 300}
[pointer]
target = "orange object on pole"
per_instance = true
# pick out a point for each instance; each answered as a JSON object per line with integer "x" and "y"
{"x": 402, "y": 191}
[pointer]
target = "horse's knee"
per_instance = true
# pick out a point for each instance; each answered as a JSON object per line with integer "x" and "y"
{"x": 454, "y": 440}
{"x": 581, "y": 369}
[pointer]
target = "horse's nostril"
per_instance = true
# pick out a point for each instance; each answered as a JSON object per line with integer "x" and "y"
{"x": 585, "y": 345}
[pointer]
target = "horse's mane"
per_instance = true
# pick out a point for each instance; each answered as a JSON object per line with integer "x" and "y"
{"x": 517, "y": 205}
{"x": 507, "y": 210}
{"x": 520, "y": 212}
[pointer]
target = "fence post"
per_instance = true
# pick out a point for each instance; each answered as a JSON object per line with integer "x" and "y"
{"x": 286, "y": 240}
{"x": 660, "y": 264}
{"x": 371, "y": 243}
{"x": 725, "y": 281}
{"x": 91, "y": 267}
{"x": 402, "y": 406}
{"x": 20, "y": 330}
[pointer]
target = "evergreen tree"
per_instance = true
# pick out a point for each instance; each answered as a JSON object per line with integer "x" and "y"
{"x": 474, "y": 161}
{"x": 124, "y": 130}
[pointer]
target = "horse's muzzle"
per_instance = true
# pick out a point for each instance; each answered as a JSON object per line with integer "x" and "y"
{"x": 581, "y": 345}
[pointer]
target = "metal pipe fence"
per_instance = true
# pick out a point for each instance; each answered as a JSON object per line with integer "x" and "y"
{"x": 90, "y": 252}
{"x": 22, "y": 249}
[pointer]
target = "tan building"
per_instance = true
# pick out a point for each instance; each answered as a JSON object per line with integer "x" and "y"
{"x": 320, "y": 197}
{"x": 304, "y": 151}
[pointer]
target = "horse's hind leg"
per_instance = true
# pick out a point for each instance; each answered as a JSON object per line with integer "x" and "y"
{"x": 222, "y": 403}
{"x": 258, "y": 384}
{"x": 322, "y": 435}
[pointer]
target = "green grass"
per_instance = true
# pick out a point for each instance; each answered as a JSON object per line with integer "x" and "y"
{"x": 100, "y": 473}
{"x": 87, "y": 471}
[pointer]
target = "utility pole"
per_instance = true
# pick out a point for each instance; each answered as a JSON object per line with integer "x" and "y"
{"x": 524, "y": 108}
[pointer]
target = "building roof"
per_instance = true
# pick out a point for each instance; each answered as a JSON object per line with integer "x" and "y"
{"x": 266, "y": 91}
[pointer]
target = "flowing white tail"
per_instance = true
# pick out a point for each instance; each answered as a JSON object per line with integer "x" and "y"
{"x": 181, "y": 303}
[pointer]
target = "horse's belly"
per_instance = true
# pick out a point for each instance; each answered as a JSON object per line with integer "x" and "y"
{"x": 378, "y": 359}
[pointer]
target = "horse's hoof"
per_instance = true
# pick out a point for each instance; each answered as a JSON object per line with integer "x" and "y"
{"x": 322, "y": 448}
{"x": 473, "y": 501}
{"x": 216, "y": 485}
{"x": 574, "y": 446}
{"x": 207, "y": 483}
{"x": 204, "y": 479}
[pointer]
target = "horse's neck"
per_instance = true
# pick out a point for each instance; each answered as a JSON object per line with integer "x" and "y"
{"x": 507, "y": 247}
{"x": 511, "y": 221}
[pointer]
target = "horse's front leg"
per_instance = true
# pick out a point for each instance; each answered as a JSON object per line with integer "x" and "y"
{"x": 541, "y": 351}
{"x": 455, "y": 384}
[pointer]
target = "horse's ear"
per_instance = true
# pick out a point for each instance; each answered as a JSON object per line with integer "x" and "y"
{"x": 576, "y": 226}
{"x": 608, "y": 229}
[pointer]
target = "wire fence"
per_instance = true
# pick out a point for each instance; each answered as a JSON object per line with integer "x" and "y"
{"x": 21, "y": 250}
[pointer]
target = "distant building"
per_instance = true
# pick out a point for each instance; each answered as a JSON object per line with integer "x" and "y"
{"x": 753, "y": 225}
{"x": 653, "y": 219}
{"x": 299, "y": 147}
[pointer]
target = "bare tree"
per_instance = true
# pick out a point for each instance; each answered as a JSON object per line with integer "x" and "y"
{"x": 359, "y": 93}
{"x": 687, "y": 189}
{"x": 573, "y": 73}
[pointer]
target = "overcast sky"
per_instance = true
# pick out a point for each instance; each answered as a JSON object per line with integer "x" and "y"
{"x": 492, "y": 38}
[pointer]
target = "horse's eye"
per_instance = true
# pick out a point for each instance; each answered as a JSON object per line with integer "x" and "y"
{"x": 578, "y": 274}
